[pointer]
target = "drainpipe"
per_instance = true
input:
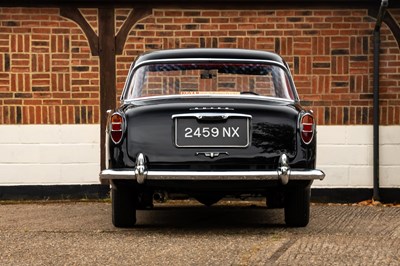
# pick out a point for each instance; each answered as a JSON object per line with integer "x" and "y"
{"x": 377, "y": 44}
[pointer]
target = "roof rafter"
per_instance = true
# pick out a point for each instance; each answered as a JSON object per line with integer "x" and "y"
{"x": 203, "y": 4}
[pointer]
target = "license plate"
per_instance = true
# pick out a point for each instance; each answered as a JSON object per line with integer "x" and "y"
{"x": 229, "y": 132}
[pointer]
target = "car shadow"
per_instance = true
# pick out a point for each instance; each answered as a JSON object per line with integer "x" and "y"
{"x": 215, "y": 218}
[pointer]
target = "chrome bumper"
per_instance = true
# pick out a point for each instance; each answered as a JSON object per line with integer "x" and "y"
{"x": 141, "y": 174}
{"x": 110, "y": 174}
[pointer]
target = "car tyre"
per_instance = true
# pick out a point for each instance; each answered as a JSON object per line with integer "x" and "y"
{"x": 297, "y": 206}
{"x": 123, "y": 207}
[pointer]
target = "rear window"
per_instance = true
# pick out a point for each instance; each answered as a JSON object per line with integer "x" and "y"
{"x": 209, "y": 78}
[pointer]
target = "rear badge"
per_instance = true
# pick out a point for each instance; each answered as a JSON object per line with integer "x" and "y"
{"x": 211, "y": 154}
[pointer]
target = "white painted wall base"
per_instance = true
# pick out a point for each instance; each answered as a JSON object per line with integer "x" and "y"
{"x": 49, "y": 154}
{"x": 70, "y": 154}
{"x": 345, "y": 153}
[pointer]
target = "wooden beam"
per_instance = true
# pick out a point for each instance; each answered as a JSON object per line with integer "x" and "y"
{"x": 134, "y": 16}
{"x": 106, "y": 46}
{"x": 108, "y": 93}
{"x": 75, "y": 15}
{"x": 393, "y": 26}
{"x": 205, "y": 4}
{"x": 389, "y": 21}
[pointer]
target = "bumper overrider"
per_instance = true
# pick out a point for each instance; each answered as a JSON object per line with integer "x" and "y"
{"x": 140, "y": 173}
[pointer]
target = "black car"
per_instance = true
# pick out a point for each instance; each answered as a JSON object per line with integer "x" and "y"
{"x": 210, "y": 123}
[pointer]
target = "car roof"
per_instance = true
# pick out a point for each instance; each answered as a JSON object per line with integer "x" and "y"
{"x": 220, "y": 53}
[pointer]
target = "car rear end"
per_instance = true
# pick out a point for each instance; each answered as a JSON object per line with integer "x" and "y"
{"x": 209, "y": 128}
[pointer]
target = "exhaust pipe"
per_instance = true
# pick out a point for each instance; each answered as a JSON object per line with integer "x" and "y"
{"x": 159, "y": 196}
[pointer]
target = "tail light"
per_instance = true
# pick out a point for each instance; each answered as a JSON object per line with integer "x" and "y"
{"x": 116, "y": 127}
{"x": 307, "y": 128}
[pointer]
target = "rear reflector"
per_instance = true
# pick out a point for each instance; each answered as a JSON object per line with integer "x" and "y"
{"x": 307, "y": 128}
{"x": 116, "y": 130}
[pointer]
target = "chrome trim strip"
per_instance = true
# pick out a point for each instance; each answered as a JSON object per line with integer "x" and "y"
{"x": 211, "y": 108}
{"x": 222, "y": 96}
{"x": 201, "y": 115}
{"x": 110, "y": 174}
{"x": 208, "y": 60}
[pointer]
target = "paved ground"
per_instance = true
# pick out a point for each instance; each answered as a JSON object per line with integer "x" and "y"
{"x": 228, "y": 234}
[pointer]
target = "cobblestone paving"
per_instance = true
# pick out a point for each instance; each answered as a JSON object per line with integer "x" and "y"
{"x": 81, "y": 233}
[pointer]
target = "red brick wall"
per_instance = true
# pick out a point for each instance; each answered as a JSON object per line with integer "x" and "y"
{"x": 48, "y": 76}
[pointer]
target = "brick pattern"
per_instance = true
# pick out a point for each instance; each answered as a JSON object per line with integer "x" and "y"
{"x": 48, "y": 76}
{"x": 329, "y": 52}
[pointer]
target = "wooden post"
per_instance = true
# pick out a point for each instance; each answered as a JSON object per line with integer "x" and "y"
{"x": 106, "y": 45}
{"x": 107, "y": 71}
